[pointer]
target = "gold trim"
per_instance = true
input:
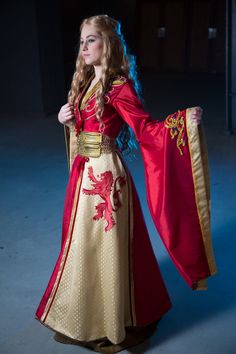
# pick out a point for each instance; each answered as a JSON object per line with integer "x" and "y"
{"x": 67, "y": 142}
{"x": 176, "y": 126}
{"x": 119, "y": 82}
{"x": 199, "y": 163}
{"x": 82, "y": 92}
{"x": 88, "y": 94}
{"x": 65, "y": 253}
{"x": 131, "y": 223}
{"x": 71, "y": 145}
{"x": 202, "y": 284}
{"x": 133, "y": 318}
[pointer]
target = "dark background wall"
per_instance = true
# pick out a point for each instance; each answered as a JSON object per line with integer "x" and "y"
{"x": 39, "y": 44}
{"x": 20, "y": 63}
{"x": 182, "y": 35}
{"x": 230, "y": 66}
{"x": 32, "y": 79}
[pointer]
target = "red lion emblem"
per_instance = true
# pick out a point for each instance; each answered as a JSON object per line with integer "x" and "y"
{"x": 103, "y": 186}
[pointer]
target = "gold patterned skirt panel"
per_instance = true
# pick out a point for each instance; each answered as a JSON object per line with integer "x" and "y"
{"x": 92, "y": 299}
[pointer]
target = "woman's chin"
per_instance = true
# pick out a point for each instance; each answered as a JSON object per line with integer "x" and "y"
{"x": 89, "y": 61}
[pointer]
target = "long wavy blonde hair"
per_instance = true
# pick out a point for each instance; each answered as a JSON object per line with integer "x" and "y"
{"x": 115, "y": 61}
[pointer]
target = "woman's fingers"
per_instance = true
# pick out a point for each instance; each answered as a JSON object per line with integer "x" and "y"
{"x": 197, "y": 110}
{"x": 68, "y": 108}
{"x": 196, "y": 115}
{"x": 66, "y": 113}
{"x": 69, "y": 117}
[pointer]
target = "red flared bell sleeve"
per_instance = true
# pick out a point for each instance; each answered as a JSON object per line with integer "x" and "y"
{"x": 177, "y": 184}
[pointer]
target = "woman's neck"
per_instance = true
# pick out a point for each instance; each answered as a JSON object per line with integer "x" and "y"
{"x": 98, "y": 72}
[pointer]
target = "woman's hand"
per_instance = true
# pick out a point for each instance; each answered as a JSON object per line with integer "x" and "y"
{"x": 196, "y": 115}
{"x": 66, "y": 114}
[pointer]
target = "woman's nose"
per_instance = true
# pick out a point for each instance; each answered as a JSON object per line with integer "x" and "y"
{"x": 85, "y": 46}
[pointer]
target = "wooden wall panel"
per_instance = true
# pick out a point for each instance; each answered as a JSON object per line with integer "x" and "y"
{"x": 149, "y": 21}
{"x": 185, "y": 45}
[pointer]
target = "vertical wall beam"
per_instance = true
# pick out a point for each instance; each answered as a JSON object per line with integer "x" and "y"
{"x": 230, "y": 81}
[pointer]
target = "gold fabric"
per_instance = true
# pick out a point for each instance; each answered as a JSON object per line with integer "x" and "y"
{"x": 71, "y": 144}
{"x": 92, "y": 297}
{"x": 134, "y": 336}
{"x": 93, "y": 144}
{"x": 199, "y": 163}
{"x": 65, "y": 254}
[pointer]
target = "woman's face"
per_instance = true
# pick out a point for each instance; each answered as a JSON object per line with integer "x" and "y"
{"x": 91, "y": 45}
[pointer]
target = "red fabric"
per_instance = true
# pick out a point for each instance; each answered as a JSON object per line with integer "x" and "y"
{"x": 169, "y": 184}
{"x": 87, "y": 121}
{"x": 76, "y": 172}
{"x": 151, "y": 299}
{"x": 170, "y": 195}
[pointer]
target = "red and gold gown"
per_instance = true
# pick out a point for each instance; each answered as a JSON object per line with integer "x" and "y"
{"x": 106, "y": 279}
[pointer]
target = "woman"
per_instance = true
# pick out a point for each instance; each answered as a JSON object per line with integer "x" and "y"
{"x": 106, "y": 291}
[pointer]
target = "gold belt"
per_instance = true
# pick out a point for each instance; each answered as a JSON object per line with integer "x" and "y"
{"x": 93, "y": 144}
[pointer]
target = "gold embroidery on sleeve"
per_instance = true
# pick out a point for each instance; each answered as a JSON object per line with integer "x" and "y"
{"x": 175, "y": 122}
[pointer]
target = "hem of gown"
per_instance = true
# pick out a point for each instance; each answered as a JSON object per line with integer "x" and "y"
{"x": 134, "y": 335}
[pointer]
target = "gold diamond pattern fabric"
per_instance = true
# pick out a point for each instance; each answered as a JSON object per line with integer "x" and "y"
{"x": 93, "y": 297}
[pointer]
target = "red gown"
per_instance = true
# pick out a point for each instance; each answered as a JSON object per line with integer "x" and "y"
{"x": 106, "y": 278}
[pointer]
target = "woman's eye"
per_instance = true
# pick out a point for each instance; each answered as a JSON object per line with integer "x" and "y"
{"x": 91, "y": 40}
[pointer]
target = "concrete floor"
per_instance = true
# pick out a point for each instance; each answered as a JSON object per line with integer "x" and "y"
{"x": 33, "y": 181}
